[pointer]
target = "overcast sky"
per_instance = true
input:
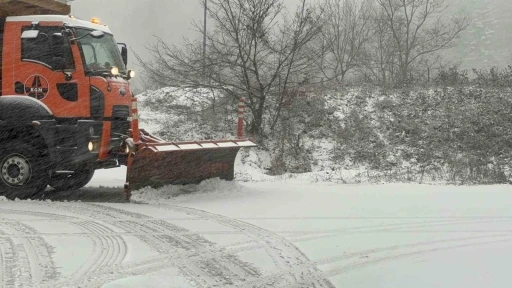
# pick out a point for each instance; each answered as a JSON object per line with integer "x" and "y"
{"x": 135, "y": 21}
{"x": 486, "y": 43}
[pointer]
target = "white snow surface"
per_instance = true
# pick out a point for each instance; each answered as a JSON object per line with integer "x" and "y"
{"x": 294, "y": 230}
{"x": 275, "y": 232}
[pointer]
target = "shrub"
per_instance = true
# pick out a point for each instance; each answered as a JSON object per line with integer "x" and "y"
{"x": 302, "y": 121}
{"x": 357, "y": 142}
{"x": 451, "y": 77}
{"x": 494, "y": 77}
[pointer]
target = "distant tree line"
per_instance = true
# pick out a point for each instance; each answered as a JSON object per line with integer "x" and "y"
{"x": 259, "y": 50}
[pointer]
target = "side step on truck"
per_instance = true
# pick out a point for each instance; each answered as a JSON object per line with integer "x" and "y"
{"x": 66, "y": 110}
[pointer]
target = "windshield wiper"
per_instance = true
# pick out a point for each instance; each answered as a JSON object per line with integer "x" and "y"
{"x": 105, "y": 73}
{"x": 97, "y": 72}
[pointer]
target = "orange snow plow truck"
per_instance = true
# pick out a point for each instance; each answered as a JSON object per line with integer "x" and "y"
{"x": 66, "y": 110}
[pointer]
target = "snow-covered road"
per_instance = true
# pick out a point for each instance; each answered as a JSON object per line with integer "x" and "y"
{"x": 268, "y": 234}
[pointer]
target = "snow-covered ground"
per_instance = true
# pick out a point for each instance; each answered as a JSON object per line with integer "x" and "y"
{"x": 280, "y": 233}
{"x": 294, "y": 230}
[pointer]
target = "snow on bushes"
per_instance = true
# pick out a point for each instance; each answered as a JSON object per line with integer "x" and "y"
{"x": 456, "y": 135}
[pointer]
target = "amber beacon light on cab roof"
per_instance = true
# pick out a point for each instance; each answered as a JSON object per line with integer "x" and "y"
{"x": 66, "y": 110}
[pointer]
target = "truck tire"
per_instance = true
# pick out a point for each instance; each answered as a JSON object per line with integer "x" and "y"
{"x": 23, "y": 172}
{"x": 74, "y": 181}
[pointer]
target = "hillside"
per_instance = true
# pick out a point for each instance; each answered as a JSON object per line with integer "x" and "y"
{"x": 366, "y": 134}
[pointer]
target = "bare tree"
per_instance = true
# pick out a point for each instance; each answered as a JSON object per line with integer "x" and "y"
{"x": 346, "y": 30}
{"x": 253, "y": 49}
{"x": 380, "y": 59}
{"x": 419, "y": 28}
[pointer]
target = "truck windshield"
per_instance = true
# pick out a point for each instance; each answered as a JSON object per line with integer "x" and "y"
{"x": 100, "y": 55}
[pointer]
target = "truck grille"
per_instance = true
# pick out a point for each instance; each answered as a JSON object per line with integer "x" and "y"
{"x": 120, "y": 112}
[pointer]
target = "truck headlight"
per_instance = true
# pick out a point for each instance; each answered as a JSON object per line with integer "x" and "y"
{"x": 93, "y": 146}
{"x": 114, "y": 71}
{"x": 131, "y": 74}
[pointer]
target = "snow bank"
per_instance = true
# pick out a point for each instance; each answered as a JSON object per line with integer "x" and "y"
{"x": 213, "y": 187}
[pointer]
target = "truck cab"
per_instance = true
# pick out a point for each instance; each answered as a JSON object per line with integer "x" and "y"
{"x": 65, "y": 98}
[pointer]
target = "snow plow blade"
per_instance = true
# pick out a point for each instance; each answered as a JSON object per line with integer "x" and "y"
{"x": 159, "y": 164}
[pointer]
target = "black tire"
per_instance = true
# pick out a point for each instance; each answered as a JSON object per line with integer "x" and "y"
{"x": 23, "y": 171}
{"x": 74, "y": 181}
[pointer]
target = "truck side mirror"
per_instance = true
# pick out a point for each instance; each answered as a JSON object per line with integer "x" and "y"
{"x": 124, "y": 54}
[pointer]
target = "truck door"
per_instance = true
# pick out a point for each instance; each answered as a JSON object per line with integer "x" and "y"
{"x": 51, "y": 75}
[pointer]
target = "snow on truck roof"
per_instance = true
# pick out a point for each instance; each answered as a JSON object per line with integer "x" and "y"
{"x": 69, "y": 20}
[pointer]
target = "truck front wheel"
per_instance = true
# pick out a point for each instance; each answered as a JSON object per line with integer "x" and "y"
{"x": 74, "y": 181}
{"x": 23, "y": 172}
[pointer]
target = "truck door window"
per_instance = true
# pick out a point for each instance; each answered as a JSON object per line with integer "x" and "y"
{"x": 38, "y": 50}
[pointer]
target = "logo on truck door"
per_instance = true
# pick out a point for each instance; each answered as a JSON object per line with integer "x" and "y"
{"x": 36, "y": 86}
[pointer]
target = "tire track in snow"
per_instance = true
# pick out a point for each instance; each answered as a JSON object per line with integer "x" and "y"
{"x": 117, "y": 247}
{"x": 66, "y": 218}
{"x": 9, "y": 264}
{"x": 108, "y": 251}
{"x": 158, "y": 227}
{"x": 364, "y": 259}
{"x": 216, "y": 266}
{"x": 304, "y": 236}
{"x": 295, "y": 235}
{"x": 378, "y": 260}
{"x": 368, "y": 252}
{"x": 285, "y": 255}
{"x": 222, "y": 270}
{"x": 164, "y": 261}
{"x": 323, "y": 234}
{"x": 31, "y": 257}
{"x": 305, "y": 270}
{"x": 160, "y": 235}
{"x": 390, "y": 227}
{"x": 2, "y": 262}
{"x": 447, "y": 218}
{"x": 41, "y": 216}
